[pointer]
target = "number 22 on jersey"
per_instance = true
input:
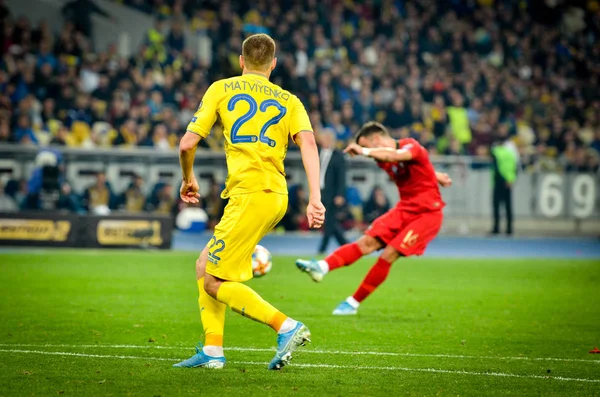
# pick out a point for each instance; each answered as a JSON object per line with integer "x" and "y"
{"x": 237, "y": 137}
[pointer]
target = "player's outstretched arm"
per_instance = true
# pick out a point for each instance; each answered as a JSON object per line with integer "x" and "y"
{"x": 379, "y": 154}
{"x": 315, "y": 211}
{"x": 443, "y": 179}
{"x": 187, "y": 152}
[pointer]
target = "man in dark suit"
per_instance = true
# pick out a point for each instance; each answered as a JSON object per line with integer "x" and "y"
{"x": 333, "y": 188}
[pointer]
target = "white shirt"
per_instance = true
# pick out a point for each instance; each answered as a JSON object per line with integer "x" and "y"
{"x": 301, "y": 63}
{"x": 325, "y": 158}
{"x": 89, "y": 80}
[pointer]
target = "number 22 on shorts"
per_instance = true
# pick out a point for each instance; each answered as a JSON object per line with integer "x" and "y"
{"x": 218, "y": 245}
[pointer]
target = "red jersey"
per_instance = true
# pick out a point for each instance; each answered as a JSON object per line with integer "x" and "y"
{"x": 417, "y": 184}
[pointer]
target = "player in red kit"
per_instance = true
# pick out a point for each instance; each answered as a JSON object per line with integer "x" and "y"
{"x": 405, "y": 230}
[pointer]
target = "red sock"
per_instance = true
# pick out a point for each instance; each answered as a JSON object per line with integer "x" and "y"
{"x": 374, "y": 278}
{"x": 344, "y": 256}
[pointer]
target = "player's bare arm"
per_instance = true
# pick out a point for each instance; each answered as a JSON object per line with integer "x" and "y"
{"x": 443, "y": 179}
{"x": 187, "y": 151}
{"x": 315, "y": 211}
{"x": 384, "y": 154}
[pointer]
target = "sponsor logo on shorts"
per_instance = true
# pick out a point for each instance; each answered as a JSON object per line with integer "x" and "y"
{"x": 410, "y": 239}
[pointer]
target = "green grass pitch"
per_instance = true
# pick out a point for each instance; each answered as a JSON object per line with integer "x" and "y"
{"x": 112, "y": 323}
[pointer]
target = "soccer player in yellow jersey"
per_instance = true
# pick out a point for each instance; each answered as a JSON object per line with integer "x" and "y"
{"x": 258, "y": 117}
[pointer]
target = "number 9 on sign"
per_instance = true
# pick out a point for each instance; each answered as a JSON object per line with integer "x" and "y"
{"x": 584, "y": 196}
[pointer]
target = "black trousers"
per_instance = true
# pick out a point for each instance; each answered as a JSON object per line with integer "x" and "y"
{"x": 502, "y": 196}
{"x": 331, "y": 227}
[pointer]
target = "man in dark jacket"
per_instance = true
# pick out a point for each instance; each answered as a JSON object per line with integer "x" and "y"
{"x": 67, "y": 200}
{"x": 80, "y": 13}
{"x": 333, "y": 188}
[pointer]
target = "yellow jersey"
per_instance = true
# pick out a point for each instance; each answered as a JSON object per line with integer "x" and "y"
{"x": 258, "y": 117}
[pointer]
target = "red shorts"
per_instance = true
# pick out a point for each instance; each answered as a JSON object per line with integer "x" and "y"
{"x": 407, "y": 232}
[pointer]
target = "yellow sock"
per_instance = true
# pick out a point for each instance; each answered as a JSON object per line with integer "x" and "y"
{"x": 212, "y": 314}
{"x": 248, "y": 303}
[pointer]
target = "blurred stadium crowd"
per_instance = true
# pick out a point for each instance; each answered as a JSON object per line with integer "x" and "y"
{"x": 456, "y": 75}
{"x": 49, "y": 189}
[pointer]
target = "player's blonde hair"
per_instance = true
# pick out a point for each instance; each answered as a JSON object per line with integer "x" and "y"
{"x": 258, "y": 51}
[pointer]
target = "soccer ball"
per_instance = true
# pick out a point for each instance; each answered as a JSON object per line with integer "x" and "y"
{"x": 261, "y": 261}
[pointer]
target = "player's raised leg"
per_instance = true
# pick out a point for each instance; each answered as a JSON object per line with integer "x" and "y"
{"x": 374, "y": 278}
{"x": 212, "y": 315}
{"x": 382, "y": 230}
{"x": 343, "y": 256}
{"x": 417, "y": 232}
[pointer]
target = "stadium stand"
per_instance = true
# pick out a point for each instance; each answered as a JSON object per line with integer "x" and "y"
{"x": 455, "y": 75}
{"x": 450, "y": 74}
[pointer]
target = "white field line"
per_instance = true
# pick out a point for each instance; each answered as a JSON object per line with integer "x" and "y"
{"x": 338, "y": 352}
{"x": 367, "y": 367}
{"x": 84, "y": 355}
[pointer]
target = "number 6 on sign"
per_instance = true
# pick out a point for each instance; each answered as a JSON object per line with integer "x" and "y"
{"x": 551, "y": 202}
